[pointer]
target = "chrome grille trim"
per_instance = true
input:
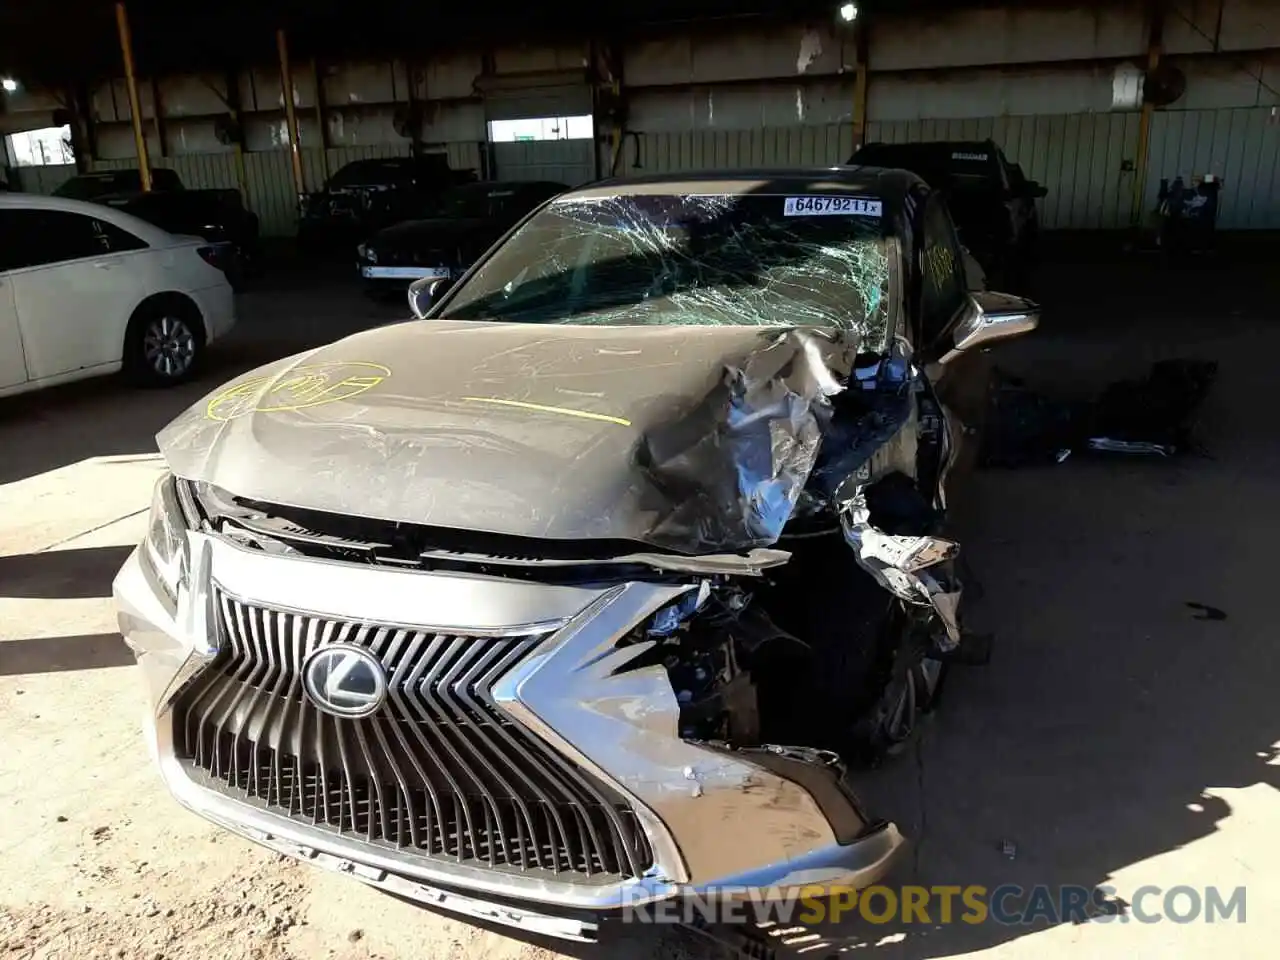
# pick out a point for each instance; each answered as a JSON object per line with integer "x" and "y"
{"x": 441, "y": 771}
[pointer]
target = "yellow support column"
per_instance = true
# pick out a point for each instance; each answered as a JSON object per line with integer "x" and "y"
{"x": 1155, "y": 45}
{"x": 859, "y": 85}
{"x": 131, "y": 84}
{"x": 290, "y": 115}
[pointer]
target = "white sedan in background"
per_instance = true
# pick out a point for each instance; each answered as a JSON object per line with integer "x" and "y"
{"x": 87, "y": 290}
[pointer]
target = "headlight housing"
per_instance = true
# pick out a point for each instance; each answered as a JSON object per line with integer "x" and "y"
{"x": 367, "y": 253}
{"x": 164, "y": 550}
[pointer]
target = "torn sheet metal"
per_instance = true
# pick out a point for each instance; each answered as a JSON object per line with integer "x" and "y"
{"x": 733, "y": 470}
{"x": 917, "y": 568}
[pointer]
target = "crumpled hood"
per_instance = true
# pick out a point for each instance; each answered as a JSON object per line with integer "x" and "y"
{"x": 696, "y": 439}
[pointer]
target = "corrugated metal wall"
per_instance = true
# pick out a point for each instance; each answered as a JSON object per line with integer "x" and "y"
{"x": 562, "y": 161}
{"x": 1078, "y": 157}
{"x": 709, "y": 149}
{"x": 1241, "y": 146}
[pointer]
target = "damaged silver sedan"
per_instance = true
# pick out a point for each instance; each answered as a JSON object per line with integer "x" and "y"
{"x": 591, "y": 586}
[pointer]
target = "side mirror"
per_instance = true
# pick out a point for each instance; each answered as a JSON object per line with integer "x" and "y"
{"x": 426, "y": 292}
{"x": 990, "y": 317}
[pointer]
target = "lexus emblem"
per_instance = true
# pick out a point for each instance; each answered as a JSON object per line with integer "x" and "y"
{"x": 345, "y": 680}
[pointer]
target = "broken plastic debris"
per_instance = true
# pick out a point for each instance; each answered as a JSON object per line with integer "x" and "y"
{"x": 915, "y": 567}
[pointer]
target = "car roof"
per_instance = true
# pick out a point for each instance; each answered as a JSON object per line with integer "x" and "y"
{"x": 153, "y": 235}
{"x": 481, "y": 186}
{"x": 887, "y": 184}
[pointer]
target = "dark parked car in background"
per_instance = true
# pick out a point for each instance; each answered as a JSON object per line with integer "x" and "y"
{"x": 105, "y": 184}
{"x": 468, "y": 221}
{"x": 216, "y": 215}
{"x": 991, "y": 201}
{"x": 365, "y": 196}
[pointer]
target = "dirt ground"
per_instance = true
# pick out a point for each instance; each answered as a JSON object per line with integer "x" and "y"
{"x": 1117, "y": 737}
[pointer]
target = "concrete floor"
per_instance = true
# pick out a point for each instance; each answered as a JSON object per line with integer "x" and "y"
{"x": 1114, "y": 739}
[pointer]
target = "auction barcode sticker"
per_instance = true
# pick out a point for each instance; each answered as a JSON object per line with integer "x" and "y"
{"x": 831, "y": 207}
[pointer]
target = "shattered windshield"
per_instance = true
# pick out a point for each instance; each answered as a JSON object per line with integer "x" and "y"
{"x": 749, "y": 259}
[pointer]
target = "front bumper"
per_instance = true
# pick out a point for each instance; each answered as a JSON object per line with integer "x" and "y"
{"x": 712, "y": 818}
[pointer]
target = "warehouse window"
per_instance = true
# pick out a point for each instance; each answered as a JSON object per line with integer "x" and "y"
{"x": 541, "y": 128}
{"x": 41, "y": 148}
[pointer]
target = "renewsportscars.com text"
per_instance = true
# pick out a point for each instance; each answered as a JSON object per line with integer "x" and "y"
{"x": 1008, "y": 905}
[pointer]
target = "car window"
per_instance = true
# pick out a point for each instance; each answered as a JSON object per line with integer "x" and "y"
{"x": 1017, "y": 179}
{"x": 1003, "y": 171}
{"x": 490, "y": 201}
{"x": 432, "y": 165}
{"x": 509, "y": 204}
{"x": 688, "y": 260}
{"x": 113, "y": 239}
{"x": 33, "y": 238}
{"x": 524, "y": 199}
{"x": 372, "y": 172}
{"x": 943, "y": 290}
{"x": 164, "y": 179}
{"x": 477, "y": 201}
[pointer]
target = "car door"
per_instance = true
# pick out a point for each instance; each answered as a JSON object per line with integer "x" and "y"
{"x": 13, "y": 367}
{"x": 74, "y": 289}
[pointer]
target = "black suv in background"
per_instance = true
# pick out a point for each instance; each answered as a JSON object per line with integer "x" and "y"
{"x": 991, "y": 201}
{"x": 365, "y": 196}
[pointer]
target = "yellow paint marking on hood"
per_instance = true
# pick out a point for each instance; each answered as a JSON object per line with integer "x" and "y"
{"x": 542, "y": 408}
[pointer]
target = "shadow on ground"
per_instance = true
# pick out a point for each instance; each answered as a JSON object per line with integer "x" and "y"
{"x": 61, "y": 574}
{"x": 57, "y": 654}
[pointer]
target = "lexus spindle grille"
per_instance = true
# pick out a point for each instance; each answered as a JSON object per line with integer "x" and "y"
{"x": 437, "y": 771}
